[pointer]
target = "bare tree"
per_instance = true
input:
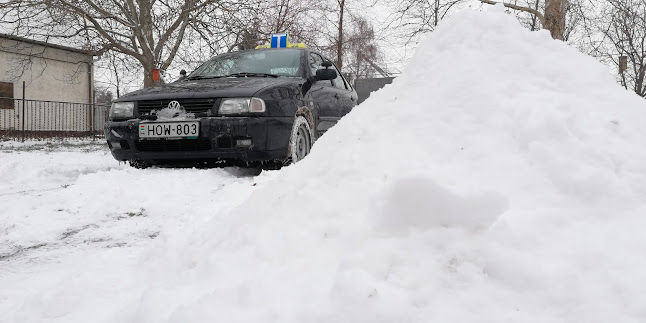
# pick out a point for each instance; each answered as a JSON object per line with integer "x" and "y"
{"x": 118, "y": 73}
{"x": 151, "y": 31}
{"x": 323, "y": 25}
{"x": 553, "y": 18}
{"x": 339, "y": 40}
{"x": 298, "y": 18}
{"x": 621, "y": 25}
{"x": 527, "y": 19}
{"x": 574, "y": 15}
{"x": 346, "y": 33}
{"x": 362, "y": 51}
{"x": 248, "y": 26}
{"x": 103, "y": 96}
{"x": 421, "y": 16}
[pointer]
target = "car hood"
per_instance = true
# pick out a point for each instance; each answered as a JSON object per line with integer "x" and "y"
{"x": 212, "y": 88}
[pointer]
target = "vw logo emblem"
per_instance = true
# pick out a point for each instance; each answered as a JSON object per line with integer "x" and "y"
{"x": 174, "y": 105}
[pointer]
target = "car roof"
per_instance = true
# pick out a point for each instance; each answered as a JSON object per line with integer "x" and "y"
{"x": 274, "y": 49}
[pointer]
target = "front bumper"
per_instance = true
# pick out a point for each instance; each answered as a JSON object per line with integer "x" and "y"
{"x": 236, "y": 139}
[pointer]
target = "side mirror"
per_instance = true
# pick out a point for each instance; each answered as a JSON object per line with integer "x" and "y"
{"x": 326, "y": 74}
{"x": 182, "y": 75}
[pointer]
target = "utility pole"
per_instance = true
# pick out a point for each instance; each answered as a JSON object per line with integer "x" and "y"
{"x": 339, "y": 44}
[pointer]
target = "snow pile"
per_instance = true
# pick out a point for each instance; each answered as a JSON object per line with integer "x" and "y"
{"x": 174, "y": 114}
{"x": 502, "y": 178}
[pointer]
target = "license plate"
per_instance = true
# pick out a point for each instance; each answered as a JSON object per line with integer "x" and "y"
{"x": 169, "y": 129}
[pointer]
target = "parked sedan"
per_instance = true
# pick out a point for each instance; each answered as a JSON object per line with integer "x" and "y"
{"x": 258, "y": 108}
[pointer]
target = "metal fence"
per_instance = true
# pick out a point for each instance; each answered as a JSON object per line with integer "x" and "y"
{"x": 21, "y": 119}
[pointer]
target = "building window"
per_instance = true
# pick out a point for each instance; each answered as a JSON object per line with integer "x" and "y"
{"x": 6, "y": 95}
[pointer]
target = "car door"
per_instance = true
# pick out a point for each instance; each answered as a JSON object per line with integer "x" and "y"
{"x": 326, "y": 98}
{"x": 346, "y": 95}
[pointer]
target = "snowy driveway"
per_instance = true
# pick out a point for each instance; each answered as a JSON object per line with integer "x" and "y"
{"x": 71, "y": 213}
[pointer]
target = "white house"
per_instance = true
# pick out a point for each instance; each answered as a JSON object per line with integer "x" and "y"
{"x": 58, "y": 86}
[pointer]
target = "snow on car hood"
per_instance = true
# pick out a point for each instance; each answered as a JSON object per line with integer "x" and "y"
{"x": 501, "y": 178}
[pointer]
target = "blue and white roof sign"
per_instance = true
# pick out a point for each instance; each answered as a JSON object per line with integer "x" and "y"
{"x": 279, "y": 40}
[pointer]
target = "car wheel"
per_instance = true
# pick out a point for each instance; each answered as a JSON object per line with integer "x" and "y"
{"x": 138, "y": 163}
{"x": 300, "y": 141}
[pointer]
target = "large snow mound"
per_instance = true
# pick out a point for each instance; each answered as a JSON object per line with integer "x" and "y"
{"x": 501, "y": 178}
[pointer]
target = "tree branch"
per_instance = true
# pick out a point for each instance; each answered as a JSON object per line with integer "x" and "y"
{"x": 535, "y": 12}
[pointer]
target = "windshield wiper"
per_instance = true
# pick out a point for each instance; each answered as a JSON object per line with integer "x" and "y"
{"x": 204, "y": 77}
{"x": 248, "y": 74}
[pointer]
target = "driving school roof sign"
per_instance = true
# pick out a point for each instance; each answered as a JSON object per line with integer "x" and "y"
{"x": 278, "y": 40}
{"x": 281, "y": 41}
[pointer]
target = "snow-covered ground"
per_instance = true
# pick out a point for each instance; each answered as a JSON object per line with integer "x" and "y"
{"x": 74, "y": 224}
{"x": 501, "y": 178}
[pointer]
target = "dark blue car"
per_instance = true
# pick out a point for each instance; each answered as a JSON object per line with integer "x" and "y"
{"x": 258, "y": 108}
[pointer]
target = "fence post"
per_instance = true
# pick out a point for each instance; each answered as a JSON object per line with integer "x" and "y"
{"x": 23, "y": 111}
{"x": 91, "y": 107}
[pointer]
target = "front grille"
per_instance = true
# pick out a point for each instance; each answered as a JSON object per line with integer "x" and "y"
{"x": 225, "y": 142}
{"x": 190, "y": 105}
{"x": 200, "y": 144}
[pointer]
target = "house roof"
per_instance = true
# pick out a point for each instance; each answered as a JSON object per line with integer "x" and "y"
{"x": 46, "y": 44}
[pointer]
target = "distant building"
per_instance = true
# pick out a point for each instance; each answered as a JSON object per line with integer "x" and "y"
{"x": 50, "y": 73}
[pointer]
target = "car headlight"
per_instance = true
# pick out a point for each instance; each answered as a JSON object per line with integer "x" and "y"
{"x": 122, "y": 109}
{"x": 242, "y": 105}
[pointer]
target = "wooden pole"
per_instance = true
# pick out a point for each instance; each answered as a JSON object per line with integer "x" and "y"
{"x": 23, "y": 110}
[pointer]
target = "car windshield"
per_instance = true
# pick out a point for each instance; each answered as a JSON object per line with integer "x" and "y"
{"x": 273, "y": 63}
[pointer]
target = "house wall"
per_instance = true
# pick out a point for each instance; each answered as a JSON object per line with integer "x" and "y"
{"x": 50, "y": 74}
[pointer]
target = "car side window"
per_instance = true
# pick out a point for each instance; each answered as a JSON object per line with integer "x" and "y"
{"x": 339, "y": 81}
{"x": 315, "y": 62}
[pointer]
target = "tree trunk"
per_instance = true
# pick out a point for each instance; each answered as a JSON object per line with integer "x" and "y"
{"x": 146, "y": 41}
{"x": 339, "y": 44}
{"x": 534, "y": 25}
{"x": 640, "y": 89}
{"x": 148, "y": 72}
{"x": 436, "y": 12}
{"x": 116, "y": 74}
{"x": 555, "y": 17}
{"x": 148, "y": 79}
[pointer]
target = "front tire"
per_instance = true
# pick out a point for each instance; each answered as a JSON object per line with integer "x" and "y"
{"x": 300, "y": 142}
{"x": 139, "y": 164}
